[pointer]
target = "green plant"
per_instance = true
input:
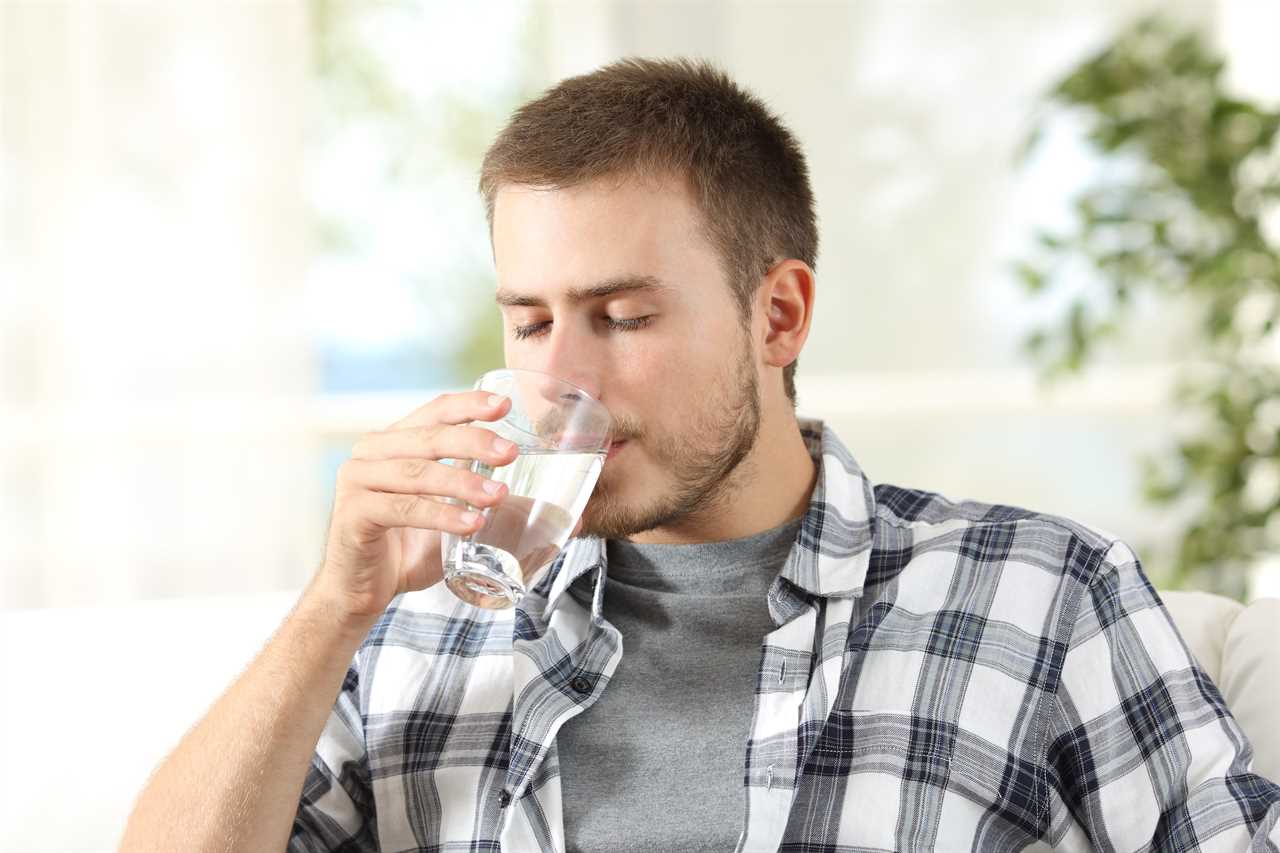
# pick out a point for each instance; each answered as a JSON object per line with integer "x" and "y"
{"x": 1180, "y": 215}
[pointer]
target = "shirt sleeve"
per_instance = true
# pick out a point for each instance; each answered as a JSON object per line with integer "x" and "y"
{"x": 335, "y": 812}
{"x": 1143, "y": 752}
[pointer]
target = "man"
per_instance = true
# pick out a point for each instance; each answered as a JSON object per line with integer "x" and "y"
{"x": 811, "y": 662}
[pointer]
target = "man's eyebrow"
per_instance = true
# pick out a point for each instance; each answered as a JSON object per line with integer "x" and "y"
{"x": 608, "y": 287}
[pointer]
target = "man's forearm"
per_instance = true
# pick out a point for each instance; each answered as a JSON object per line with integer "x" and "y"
{"x": 234, "y": 781}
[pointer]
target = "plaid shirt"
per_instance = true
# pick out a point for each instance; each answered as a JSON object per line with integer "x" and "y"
{"x": 943, "y": 675}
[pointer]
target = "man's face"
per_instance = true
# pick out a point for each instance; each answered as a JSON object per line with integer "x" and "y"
{"x": 669, "y": 359}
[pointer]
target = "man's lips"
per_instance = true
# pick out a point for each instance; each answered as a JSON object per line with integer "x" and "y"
{"x": 615, "y": 447}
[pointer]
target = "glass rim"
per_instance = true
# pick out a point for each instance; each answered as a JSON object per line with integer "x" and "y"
{"x": 590, "y": 397}
{"x": 584, "y": 399}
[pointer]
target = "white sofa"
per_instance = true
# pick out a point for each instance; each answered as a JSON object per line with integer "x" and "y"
{"x": 1239, "y": 647}
{"x": 95, "y": 696}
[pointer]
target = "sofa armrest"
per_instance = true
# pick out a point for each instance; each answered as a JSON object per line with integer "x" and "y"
{"x": 1238, "y": 646}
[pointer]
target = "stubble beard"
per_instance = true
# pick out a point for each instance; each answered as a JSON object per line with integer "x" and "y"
{"x": 702, "y": 479}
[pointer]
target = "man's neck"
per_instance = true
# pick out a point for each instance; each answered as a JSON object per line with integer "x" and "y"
{"x": 770, "y": 487}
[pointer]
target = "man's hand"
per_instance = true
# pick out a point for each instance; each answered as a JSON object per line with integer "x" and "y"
{"x": 391, "y": 502}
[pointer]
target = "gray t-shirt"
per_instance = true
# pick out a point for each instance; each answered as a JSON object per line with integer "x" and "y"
{"x": 658, "y": 762}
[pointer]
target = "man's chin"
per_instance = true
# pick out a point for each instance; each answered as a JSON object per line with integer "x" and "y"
{"x": 598, "y": 520}
{"x": 610, "y": 518}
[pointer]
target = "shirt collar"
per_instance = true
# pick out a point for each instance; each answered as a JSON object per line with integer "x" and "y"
{"x": 831, "y": 552}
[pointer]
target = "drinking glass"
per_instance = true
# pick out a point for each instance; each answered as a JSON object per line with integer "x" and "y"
{"x": 562, "y": 433}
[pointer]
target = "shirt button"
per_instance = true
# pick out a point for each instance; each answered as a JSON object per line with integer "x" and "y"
{"x": 504, "y": 798}
{"x": 581, "y": 684}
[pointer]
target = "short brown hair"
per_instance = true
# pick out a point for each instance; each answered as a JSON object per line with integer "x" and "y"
{"x": 650, "y": 118}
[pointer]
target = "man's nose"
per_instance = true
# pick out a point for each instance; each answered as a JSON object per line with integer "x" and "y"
{"x": 570, "y": 360}
{"x": 556, "y": 391}
{"x": 561, "y": 385}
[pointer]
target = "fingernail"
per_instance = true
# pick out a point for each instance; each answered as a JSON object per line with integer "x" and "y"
{"x": 492, "y": 486}
{"x": 495, "y": 400}
{"x": 470, "y": 517}
{"x": 502, "y": 445}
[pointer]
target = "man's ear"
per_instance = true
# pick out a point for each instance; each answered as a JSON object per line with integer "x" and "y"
{"x": 787, "y": 295}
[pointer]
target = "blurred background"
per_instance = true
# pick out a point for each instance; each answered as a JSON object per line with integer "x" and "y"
{"x": 236, "y": 236}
